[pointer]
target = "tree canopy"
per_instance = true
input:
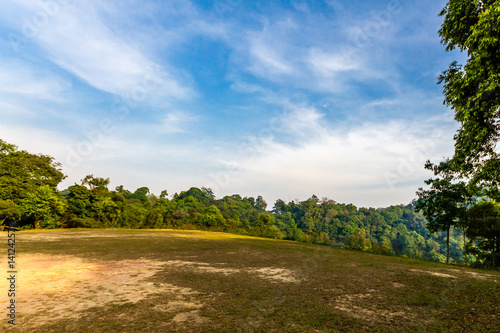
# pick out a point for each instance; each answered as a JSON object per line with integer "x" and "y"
{"x": 22, "y": 173}
{"x": 466, "y": 182}
{"x": 473, "y": 90}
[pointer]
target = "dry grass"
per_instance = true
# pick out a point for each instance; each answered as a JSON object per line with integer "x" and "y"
{"x": 185, "y": 281}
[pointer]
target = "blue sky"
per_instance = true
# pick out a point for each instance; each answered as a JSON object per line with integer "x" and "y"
{"x": 282, "y": 99}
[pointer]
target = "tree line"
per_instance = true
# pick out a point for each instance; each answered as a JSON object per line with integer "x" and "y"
{"x": 29, "y": 197}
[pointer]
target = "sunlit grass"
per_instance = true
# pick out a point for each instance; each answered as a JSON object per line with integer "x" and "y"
{"x": 219, "y": 282}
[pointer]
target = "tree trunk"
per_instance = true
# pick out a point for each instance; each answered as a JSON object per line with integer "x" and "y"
{"x": 466, "y": 260}
{"x": 448, "y": 246}
{"x": 495, "y": 246}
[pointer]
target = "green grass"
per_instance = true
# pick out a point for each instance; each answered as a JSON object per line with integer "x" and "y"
{"x": 335, "y": 290}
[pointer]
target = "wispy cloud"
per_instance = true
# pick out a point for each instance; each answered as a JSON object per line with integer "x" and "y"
{"x": 370, "y": 158}
{"x": 330, "y": 64}
{"x": 266, "y": 59}
{"x": 335, "y": 97}
{"x": 176, "y": 122}
{"x": 19, "y": 78}
{"x": 76, "y": 39}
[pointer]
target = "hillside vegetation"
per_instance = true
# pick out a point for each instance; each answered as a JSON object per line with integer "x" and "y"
{"x": 29, "y": 199}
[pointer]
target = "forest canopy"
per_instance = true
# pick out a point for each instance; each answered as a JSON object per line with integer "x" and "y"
{"x": 395, "y": 230}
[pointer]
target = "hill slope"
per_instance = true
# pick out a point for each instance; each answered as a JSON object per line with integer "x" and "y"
{"x": 168, "y": 281}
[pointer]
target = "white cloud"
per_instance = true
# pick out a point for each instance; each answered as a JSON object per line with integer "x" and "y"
{"x": 320, "y": 58}
{"x": 368, "y": 165}
{"x": 266, "y": 58}
{"x": 330, "y": 64}
{"x": 277, "y": 58}
{"x": 176, "y": 122}
{"x": 297, "y": 120}
{"x": 269, "y": 52}
{"x": 13, "y": 109}
{"x": 21, "y": 79}
{"x": 75, "y": 38}
{"x": 246, "y": 87}
{"x": 134, "y": 161}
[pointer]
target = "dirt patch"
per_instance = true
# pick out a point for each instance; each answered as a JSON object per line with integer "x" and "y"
{"x": 480, "y": 276}
{"x": 53, "y": 288}
{"x": 434, "y": 273}
{"x": 276, "y": 274}
{"x": 362, "y": 306}
{"x": 273, "y": 274}
{"x": 184, "y": 311}
{"x": 61, "y": 287}
{"x": 191, "y": 316}
{"x": 202, "y": 267}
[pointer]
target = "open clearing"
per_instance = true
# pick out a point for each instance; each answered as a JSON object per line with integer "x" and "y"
{"x": 187, "y": 281}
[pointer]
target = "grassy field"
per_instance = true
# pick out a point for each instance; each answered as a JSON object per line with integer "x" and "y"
{"x": 192, "y": 281}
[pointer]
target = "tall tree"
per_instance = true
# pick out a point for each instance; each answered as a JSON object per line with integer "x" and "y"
{"x": 444, "y": 204}
{"x": 484, "y": 226}
{"x": 22, "y": 173}
{"x": 473, "y": 90}
{"x": 260, "y": 203}
{"x": 141, "y": 194}
{"x": 96, "y": 184}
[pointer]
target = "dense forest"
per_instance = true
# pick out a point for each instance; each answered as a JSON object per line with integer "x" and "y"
{"x": 29, "y": 198}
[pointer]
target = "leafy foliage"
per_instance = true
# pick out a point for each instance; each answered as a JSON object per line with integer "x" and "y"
{"x": 473, "y": 92}
{"x": 22, "y": 173}
{"x": 484, "y": 226}
{"x": 393, "y": 230}
{"x": 8, "y": 211}
{"x": 43, "y": 207}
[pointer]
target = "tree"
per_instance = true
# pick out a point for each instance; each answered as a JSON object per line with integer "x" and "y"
{"x": 484, "y": 226}
{"x": 107, "y": 211}
{"x": 22, "y": 173}
{"x": 265, "y": 220}
{"x": 8, "y": 211}
{"x": 154, "y": 219}
{"x": 164, "y": 195}
{"x": 141, "y": 194}
{"x": 473, "y": 90}
{"x": 6, "y": 148}
{"x": 260, "y": 203}
{"x": 80, "y": 201}
{"x": 357, "y": 241}
{"x": 133, "y": 215}
{"x": 208, "y": 193}
{"x": 444, "y": 204}
{"x": 314, "y": 199}
{"x": 43, "y": 207}
{"x": 473, "y": 93}
{"x": 195, "y": 193}
{"x": 385, "y": 245}
{"x": 279, "y": 206}
{"x": 213, "y": 217}
{"x": 97, "y": 185}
